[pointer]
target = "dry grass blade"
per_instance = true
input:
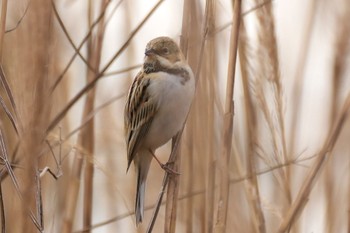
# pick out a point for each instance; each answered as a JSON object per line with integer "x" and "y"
{"x": 243, "y": 14}
{"x": 7, "y": 88}
{"x": 251, "y": 187}
{"x": 92, "y": 114}
{"x": 127, "y": 69}
{"x": 88, "y": 35}
{"x": 270, "y": 169}
{"x": 132, "y": 35}
{"x": 224, "y": 158}
{"x": 303, "y": 194}
{"x": 91, "y": 84}
{"x": 76, "y": 50}
{"x": 20, "y": 19}
{"x": 300, "y": 69}
{"x": 9, "y": 115}
{"x": 258, "y": 6}
{"x": 4, "y": 158}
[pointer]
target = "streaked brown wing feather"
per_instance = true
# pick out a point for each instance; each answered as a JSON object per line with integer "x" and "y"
{"x": 138, "y": 115}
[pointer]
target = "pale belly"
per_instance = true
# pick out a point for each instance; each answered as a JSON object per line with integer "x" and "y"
{"x": 174, "y": 102}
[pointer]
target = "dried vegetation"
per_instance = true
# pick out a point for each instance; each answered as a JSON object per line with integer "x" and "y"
{"x": 265, "y": 147}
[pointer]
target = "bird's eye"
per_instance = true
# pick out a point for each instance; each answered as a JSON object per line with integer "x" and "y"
{"x": 165, "y": 50}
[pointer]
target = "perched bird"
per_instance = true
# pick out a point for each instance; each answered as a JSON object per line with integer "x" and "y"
{"x": 156, "y": 108}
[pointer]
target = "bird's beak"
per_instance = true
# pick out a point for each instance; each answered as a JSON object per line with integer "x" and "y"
{"x": 149, "y": 52}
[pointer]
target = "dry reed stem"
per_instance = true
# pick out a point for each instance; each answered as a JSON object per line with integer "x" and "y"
{"x": 299, "y": 74}
{"x": 173, "y": 191}
{"x": 173, "y": 181}
{"x": 2, "y": 25}
{"x": 339, "y": 68}
{"x": 270, "y": 72}
{"x": 210, "y": 73}
{"x": 303, "y": 194}
{"x": 251, "y": 187}
{"x": 87, "y": 134}
{"x": 224, "y": 158}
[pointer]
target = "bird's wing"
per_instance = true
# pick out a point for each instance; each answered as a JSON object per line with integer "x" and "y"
{"x": 139, "y": 112}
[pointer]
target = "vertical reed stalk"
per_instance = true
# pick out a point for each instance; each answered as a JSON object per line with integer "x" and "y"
{"x": 174, "y": 181}
{"x": 2, "y": 25}
{"x": 209, "y": 73}
{"x": 252, "y": 187}
{"x": 86, "y": 141}
{"x": 87, "y": 133}
{"x": 224, "y": 158}
{"x": 341, "y": 47}
{"x": 299, "y": 73}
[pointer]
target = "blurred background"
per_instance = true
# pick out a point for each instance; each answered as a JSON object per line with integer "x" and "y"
{"x": 66, "y": 67}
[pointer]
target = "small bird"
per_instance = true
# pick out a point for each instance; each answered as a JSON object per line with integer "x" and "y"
{"x": 156, "y": 108}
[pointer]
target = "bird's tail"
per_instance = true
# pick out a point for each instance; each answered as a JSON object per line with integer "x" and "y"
{"x": 142, "y": 167}
{"x": 140, "y": 198}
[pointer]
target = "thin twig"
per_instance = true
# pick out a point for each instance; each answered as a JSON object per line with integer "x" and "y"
{"x": 87, "y": 36}
{"x": 91, "y": 115}
{"x": 251, "y": 186}
{"x": 9, "y": 115}
{"x": 76, "y": 50}
{"x": 8, "y": 91}
{"x": 84, "y": 122}
{"x": 227, "y": 25}
{"x": 20, "y": 19}
{"x": 122, "y": 70}
{"x": 39, "y": 200}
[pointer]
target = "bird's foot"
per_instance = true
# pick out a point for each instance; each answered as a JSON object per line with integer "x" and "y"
{"x": 166, "y": 167}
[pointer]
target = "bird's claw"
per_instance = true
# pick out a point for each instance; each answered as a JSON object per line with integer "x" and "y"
{"x": 169, "y": 170}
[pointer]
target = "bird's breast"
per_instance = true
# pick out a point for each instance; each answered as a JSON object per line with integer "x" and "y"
{"x": 174, "y": 97}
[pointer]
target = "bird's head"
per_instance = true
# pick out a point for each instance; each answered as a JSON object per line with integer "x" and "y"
{"x": 163, "y": 49}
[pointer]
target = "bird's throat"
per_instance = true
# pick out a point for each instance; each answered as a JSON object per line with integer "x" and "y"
{"x": 155, "y": 66}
